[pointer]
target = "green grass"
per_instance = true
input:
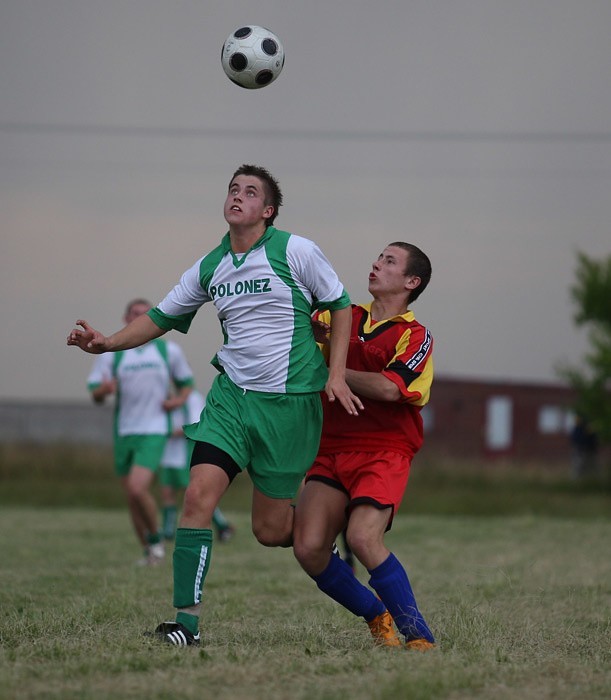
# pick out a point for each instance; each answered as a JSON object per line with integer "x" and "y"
{"x": 510, "y": 566}
{"x": 521, "y": 607}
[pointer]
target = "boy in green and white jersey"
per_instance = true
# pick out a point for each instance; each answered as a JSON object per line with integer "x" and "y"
{"x": 142, "y": 379}
{"x": 263, "y": 412}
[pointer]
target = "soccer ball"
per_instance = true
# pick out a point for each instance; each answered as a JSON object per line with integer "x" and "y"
{"x": 252, "y": 57}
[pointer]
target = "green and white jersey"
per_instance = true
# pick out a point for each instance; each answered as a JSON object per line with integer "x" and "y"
{"x": 144, "y": 378}
{"x": 264, "y": 299}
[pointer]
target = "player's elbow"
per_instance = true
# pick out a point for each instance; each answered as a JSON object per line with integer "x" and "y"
{"x": 390, "y": 391}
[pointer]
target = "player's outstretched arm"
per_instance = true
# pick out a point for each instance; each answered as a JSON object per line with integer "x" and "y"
{"x": 372, "y": 385}
{"x": 136, "y": 333}
{"x": 336, "y": 387}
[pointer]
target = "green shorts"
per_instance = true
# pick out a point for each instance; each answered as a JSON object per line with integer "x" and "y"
{"x": 141, "y": 450}
{"x": 177, "y": 478}
{"x": 275, "y": 437}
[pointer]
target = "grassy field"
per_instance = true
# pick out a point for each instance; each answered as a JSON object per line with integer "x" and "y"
{"x": 520, "y": 601}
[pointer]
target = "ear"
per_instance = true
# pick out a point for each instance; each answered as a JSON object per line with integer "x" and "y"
{"x": 268, "y": 211}
{"x": 412, "y": 281}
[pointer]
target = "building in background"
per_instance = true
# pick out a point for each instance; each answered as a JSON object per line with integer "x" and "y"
{"x": 465, "y": 419}
{"x": 490, "y": 420}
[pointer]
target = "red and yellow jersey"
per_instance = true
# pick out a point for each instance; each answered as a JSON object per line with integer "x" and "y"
{"x": 401, "y": 349}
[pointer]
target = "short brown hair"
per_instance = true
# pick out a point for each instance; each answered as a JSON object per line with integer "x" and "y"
{"x": 136, "y": 302}
{"x": 418, "y": 264}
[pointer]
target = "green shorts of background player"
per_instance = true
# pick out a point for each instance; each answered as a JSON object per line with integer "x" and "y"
{"x": 137, "y": 460}
{"x": 143, "y": 450}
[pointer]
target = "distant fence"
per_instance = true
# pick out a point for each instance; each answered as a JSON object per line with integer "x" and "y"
{"x": 41, "y": 422}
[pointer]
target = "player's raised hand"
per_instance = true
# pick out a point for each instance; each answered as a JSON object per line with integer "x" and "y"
{"x": 87, "y": 338}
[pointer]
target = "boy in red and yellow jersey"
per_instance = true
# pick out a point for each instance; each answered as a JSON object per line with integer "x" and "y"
{"x": 360, "y": 474}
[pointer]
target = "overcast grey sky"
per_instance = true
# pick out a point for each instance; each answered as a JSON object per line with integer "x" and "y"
{"x": 478, "y": 129}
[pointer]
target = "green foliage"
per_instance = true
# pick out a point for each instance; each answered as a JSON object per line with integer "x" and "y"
{"x": 592, "y": 291}
{"x": 520, "y": 607}
{"x": 591, "y": 294}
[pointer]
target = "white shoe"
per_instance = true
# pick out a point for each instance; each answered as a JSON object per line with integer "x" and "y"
{"x": 154, "y": 554}
{"x": 157, "y": 550}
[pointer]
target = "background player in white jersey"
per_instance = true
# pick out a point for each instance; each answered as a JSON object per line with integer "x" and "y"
{"x": 175, "y": 468}
{"x": 263, "y": 412}
{"x": 142, "y": 380}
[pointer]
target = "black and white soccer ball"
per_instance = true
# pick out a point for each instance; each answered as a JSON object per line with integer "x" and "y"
{"x": 252, "y": 57}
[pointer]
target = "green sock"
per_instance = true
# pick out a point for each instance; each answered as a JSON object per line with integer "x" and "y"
{"x": 153, "y": 538}
{"x": 169, "y": 521}
{"x": 219, "y": 520}
{"x": 191, "y": 622}
{"x": 192, "y": 551}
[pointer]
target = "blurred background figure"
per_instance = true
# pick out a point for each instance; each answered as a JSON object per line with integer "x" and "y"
{"x": 174, "y": 473}
{"x": 584, "y": 441}
{"x": 346, "y": 552}
{"x": 142, "y": 380}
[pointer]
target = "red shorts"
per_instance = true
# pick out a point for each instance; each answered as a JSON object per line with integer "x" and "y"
{"x": 377, "y": 478}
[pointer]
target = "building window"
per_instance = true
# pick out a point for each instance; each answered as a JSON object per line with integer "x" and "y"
{"x": 553, "y": 420}
{"x": 499, "y": 423}
{"x": 428, "y": 418}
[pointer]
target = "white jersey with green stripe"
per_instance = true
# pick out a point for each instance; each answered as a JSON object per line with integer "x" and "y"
{"x": 264, "y": 299}
{"x": 144, "y": 378}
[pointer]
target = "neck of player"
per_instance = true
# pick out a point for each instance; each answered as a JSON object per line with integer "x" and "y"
{"x": 382, "y": 308}
{"x": 244, "y": 237}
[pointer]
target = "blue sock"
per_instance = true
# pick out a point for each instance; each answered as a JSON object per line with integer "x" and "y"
{"x": 339, "y": 582}
{"x": 390, "y": 582}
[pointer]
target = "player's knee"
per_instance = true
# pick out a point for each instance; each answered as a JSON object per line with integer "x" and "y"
{"x": 361, "y": 542}
{"x": 273, "y": 525}
{"x": 197, "y": 505}
{"x": 305, "y": 556}
{"x": 271, "y": 535}
{"x": 301, "y": 551}
{"x": 135, "y": 490}
{"x": 312, "y": 555}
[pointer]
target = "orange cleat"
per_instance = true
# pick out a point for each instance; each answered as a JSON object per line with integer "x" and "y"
{"x": 383, "y": 631}
{"x": 419, "y": 645}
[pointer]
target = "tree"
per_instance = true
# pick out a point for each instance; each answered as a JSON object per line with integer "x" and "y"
{"x": 591, "y": 293}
